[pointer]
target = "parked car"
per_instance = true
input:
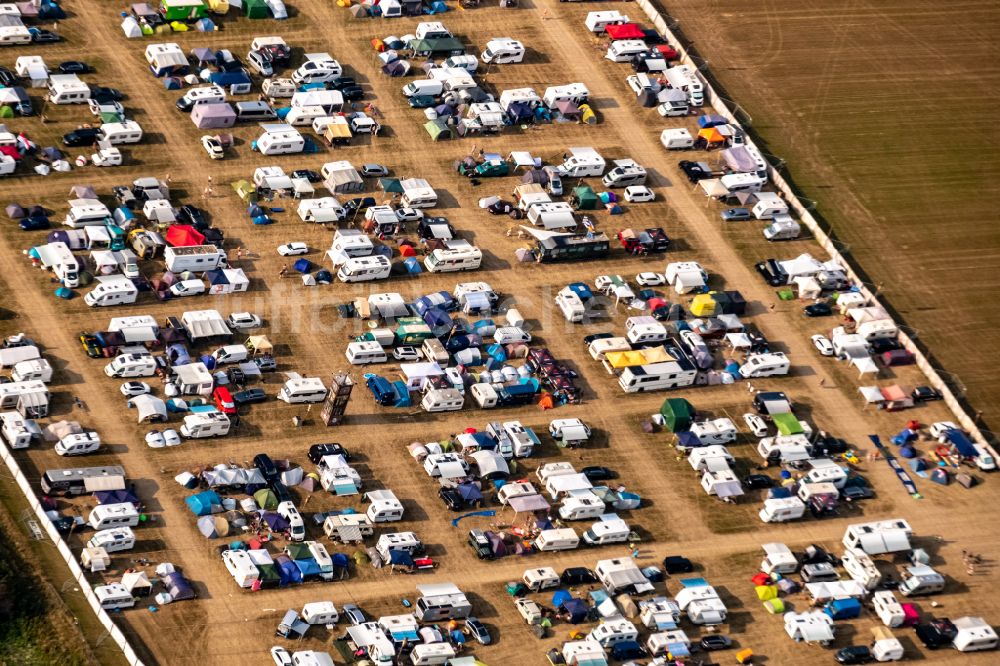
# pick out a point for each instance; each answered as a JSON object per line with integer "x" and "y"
{"x": 925, "y": 394}
{"x": 341, "y": 82}
{"x": 821, "y": 309}
{"x": 500, "y": 208}
{"x": 480, "y": 545}
{"x": 822, "y": 345}
{"x": 757, "y": 481}
{"x": 715, "y": 642}
{"x": 587, "y": 339}
{"x": 359, "y": 204}
{"x": 249, "y": 396}
{"x": 650, "y": 279}
{"x": 478, "y": 630}
{"x": 354, "y": 614}
{"x": 281, "y": 656}
{"x": 854, "y": 654}
{"x": 243, "y": 321}
{"x": 596, "y": 473}
{"x": 694, "y": 171}
{"x": 639, "y": 194}
{"x": 374, "y": 170}
{"x": 406, "y": 353}
{"x": 73, "y": 67}
{"x": 213, "y": 147}
{"x": 756, "y": 424}
{"x": 43, "y": 36}
{"x": 855, "y": 493}
{"x": 412, "y": 215}
{"x": 187, "y": 288}
{"x": 675, "y": 564}
{"x": 736, "y": 215}
{"x": 937, "y": 633}
{"x": 34, "y": 224}
{"x": 577, "y": 576}
{"x": 826, "y": 445}
{"x": 267, "y": 468}
{"x": 421, "y": 101}
{"x": 103, "y": 93}
{"x": 82, "y": 136}
{"x": 188, "y": 214}
{"x": 266, "y": 363}
{"x": 308, "y": 174}
{"x": 319, "y": 451}
{"x": 451, "y": 499}
{"x": 352, "y": 93}
{"x": 293, "y": 249}
{"x": 132, "y": 389}
{"x": 7, "y": 78}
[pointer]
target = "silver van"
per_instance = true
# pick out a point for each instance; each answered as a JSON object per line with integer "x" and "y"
{"x": 254, "y": 111}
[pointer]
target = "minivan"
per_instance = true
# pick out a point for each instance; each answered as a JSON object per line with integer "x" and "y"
{"x": 254, "y": 111}
{"x": 223, "y": 400}
{"x": 821, "y": 572}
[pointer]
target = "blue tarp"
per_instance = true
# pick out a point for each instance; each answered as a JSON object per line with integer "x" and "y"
{"x": 116, "y": 497}
{"x": 308, "y": 567}
{"x": 559, "y": 597}
{"x": 577, "y": 610}
{"x": 962, "y": 443}
{"x": 400, "y": 557}
{"x": 287, "y": 570}
{"x": 202, "y": 504}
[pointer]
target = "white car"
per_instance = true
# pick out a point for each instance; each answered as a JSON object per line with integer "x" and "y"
{"x": 639, "y": 194}
{"x": 155, "y": 440}
{"x": 508, "y": 334}
{"x": 292, "y": 249}
{"x": 132, "y": 389}
{"x": 406, "y": 353}
{"x": 213, "y": 147}
{"x": 756, "y": 424}
{"x": 281, "y": 656}
{"x": 171, "y": 438}
{"x": 939, "y": 429}
{"x": 409, "y": 214}
{"x": 243, "y": 321}
{"x": 187, "y": 288}
{"x": 650, "y": 279}
{"x": 822, "y": 345}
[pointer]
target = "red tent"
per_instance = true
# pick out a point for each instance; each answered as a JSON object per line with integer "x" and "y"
{"x": 183, "y": 235}
{"x": 669, "y": 52}
{"x": 407, "y": 251}
{"x": 624, "y": 31}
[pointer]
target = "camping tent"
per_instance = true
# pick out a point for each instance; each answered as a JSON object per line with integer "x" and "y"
{"x": 205, "y": 503}
{"x": 213, "y": 527}
{"x": 149, "y": 408}
{"x": 584, "y": 198}
{"x": 439, "y": 129}
{"x": 183, "y": 235}
{"x": 677, "y": 414}
{"x": 266, "y": 499}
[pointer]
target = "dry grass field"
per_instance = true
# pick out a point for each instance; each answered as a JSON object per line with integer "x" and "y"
{"x": 226, "y": 625}
{"x": 880, "y": 108}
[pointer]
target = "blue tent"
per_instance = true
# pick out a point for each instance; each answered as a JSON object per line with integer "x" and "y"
{"x": 918, "y": 465}
{"x": 940, "y": 476}
{"x": 116, "y": 497}
{"x": 340, "y": 561}
{"x": 254, "y": 210}
{"x": 287, "y": 570}
{"x": 262, "y": 219}
{"x": 208, "y": 360}
{"x": 961, "y": 442}
{"x": 457, "y": 637}
{"x": 577, "y": 610}
{"x": 308, "y": 567}
{"x": 711, "y": 120}
{"x": 688, "y": 439}
{"x": 469, "y": 492}
{"x": 905, "y": 435}
{"x": 204, "y": 503}
{"x": 402, "y": 394}
{"x": 559, "y": 597}
{"x": 519, "y": 112}
{"x": 497, "y": 352}
{"x": 412, "y": 265}
{"x": 324, "y": 276}
{"x": 302, "y": 265}
{"x": 843, "y": 609}
{"x": 400, "y": 557}
{"x": 64, "y": 293}
{"x": 173, "y": 82}
{"x": 204, "y": 25}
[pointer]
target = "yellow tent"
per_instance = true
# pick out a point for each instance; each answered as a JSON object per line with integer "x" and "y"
{"x": 624, "y": 359}
{"x": 703, "y": 305}
{"x": 218, "y": 6}
{"x": 766, "y": 592}
{"x": 656, "y": 355}
{"x": 774, "y": 606}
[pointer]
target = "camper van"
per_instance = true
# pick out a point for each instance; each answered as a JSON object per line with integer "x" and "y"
{"x": 128, "y": 131}
{"x": 230, "y": 354}
{"x": 78, "y": 443}
{"x": 303, "y": 390}
{"x": 113, "y": 540}
{"x": 205, "y": 95}
{"x": 684, "y": 77}
{"x": 771, "y": 364}
{"x": 365, "y": 352}
{"x": 318, "y": 68}
{"x": 114, "y": 596}
{"x": 581, "y": 163}
{"x": 205, "y": 424}
{"x": 105, "y": 516}
{"x": 131, "y": 365}
{"x": 540, "y": 579}
{"x": 37, "y": 369}
{"x": 609, "y": 529}
{"x": 423, "y": 87}
{"x": 556, "y": 539}
{"x": 442, "y": 400}
{"x": 365, "y": 269}
{"x": 781, "y": 229}
{"x": 503, "y": 51}
{"x": 296, "y": 526}
{"x": 16, "y": 431}
{"x": 598, "y": 21}
{"x": 454, "y": 259}
{"x": 657, "y": 376}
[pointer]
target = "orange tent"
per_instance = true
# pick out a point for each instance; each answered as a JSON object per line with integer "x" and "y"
{"x": 546, "y": 402}
{"x": 378, "y": 45}
{"x": 711, "y": 135}
{"x": 407, "y": 251}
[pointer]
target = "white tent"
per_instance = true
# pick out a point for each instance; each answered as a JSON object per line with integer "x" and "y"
{"x": 490, "y": 463}
{"x": 809, "y": 288}
{"x": 738, "y": 340}
{"x": 865, "y": 365}
{"x": 871, "y": 394}
{"x": 149, "y": 408}
{"x": 131, "y": 28}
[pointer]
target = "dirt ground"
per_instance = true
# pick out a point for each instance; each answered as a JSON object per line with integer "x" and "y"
{"x": 230, "y": 626}
{"x": 877, "y": 108}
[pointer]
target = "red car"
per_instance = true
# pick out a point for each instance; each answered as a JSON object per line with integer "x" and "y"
{"x": 224, "y": 400}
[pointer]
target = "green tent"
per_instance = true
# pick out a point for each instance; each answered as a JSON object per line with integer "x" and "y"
{"x": 268, "y": 574}
{"x": 298, "y": 551}
{"x": 245, "y": 190}
{"x": 677, "y": 414}
{"x": 256, "y": 9}
{"x": 111, "y": 117}
{"x": 449, "y": 45}
{"x": 6, "y": 112}
{"x": 787, "y": 424}
{"x": 584, "y": 198}
{"x": 390, "y": 185}
{"x": 266, "y": 499}
{"x": 438, "y": 129}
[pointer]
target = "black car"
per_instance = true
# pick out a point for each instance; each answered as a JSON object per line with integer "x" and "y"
{"x": 480, "y": 544}
{"x": 359, "y": 204}
{"x": 826, "y": 446}
{"x": 937, "y": 633}
{"x": 587, "y": 339}
{"x": 342, "y": 82}
{"x": 7, "y": 78}
{"x": 308, "y": 174}
{"x": 715, "y": 642}
{"x": 249, "y": 396}
{"x": 883, "y": 345}
{"x": 74, "y": 67}
{"x": 84, "y": 136}
{"x": 675, "y": 564}
{"x": 263, "y": 462}
{"x": 451, "y": 499}
{"x": 756, "y": 481}
{"x": 281, "y": 491}
{"x": 772, "y": 272}
{"x": 318, "y": 451}
{"x": 694, "y": 171}
{"x": 925, "y": 394}
{"x": 188, "y": 214}
{"x": 597, "y": 473}
{"x": 763, "y": 400}
{"x": 814, "y": 554}
{"x": 854, "y": 654}
{"x": 42, "y": 36}
{"x": 266, "y": 363}
{"x": 578, "y": 576}
{"x": 104, "y": 94}
{"x": 34, "y": 224}
{"x": 821, "y": 309}
{"x": 855, "y": 493}
{"x": 352, "y": 93}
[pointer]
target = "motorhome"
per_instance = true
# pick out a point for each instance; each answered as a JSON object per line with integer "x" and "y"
{"x": 564, "y": 538}
{"x": 920, "y": 579}
{"x": 609, "y": 529}
{"x": 318, "y": 68}
{"x": 104, "y": 516}
{"x": 33, "y": 369}
{"x": 861, "y": 567}
{"x": 598, "y": 21}
{"x": 581, "y": 163}
{"x": 417, "y": 193}
{"x": 684, "y": 77}
{"x": 575, "y": 93}
{"x": 58, "y": 258}
{"x": 205, "y": 424}
{"x": 349, "y": 244}
{"x": 769, "y": 364}
{"x": 657, "y": 376}
{"x": 194, "y": 258}
{"x": 296, "y": 526}
{"x": 131, "y": 365}
{"x": 624, "y": 173}
{"x": 79, "y": 443}
{"x": 204, "y": 95}
{"x": 365, "y": 269}
{"x": 503, "y": 51}
{"x": 17, "y": 431}
{"x": 113, "y": 540}
{"x": 644, "y": 330}
{"x": 302, "y": 390}
{"x": 454, "y": 259}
